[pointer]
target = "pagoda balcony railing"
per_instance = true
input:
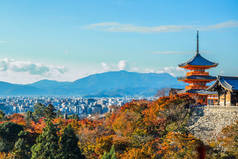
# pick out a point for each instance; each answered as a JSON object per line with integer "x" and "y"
{"x": 195, "y": 87}
{"x": 197, "y": 73}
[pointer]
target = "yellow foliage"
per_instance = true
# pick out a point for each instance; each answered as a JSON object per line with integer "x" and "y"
{"x": 177, "y": 145}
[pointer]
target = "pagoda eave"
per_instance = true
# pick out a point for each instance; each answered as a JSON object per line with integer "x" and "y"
{"x": 191, "y": 67}
{"x": 192, "y": 79}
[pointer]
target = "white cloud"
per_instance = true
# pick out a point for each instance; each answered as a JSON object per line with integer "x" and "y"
{"x": 228, "y": 24}
{"x": 174, "y": 71}
{"x": 118, "y": 27}
{"x": 15, "y": 71}
{"x": 121, "y": 65}
{"x": 23, "y": 72}
{"x": 12, "y": 65}
{"x": 105, "y": 66}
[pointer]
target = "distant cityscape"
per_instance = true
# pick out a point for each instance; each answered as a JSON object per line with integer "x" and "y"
{"x": 83, "y": 107}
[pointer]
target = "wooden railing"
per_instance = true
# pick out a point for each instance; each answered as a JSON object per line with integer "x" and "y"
{"x": 197, "y": 73}
{"x": 196, "y": 87}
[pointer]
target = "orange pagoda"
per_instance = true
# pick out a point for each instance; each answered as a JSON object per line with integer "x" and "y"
{"x": 197, "y": 77}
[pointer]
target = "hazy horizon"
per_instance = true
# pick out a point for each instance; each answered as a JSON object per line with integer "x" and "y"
{"x": 45, "y": 79}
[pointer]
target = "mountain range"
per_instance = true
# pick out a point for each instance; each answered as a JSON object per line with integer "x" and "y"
{"x": 107, "y": 84}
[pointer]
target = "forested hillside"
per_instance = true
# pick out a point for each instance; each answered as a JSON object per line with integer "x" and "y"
{"x": 139, "y": 129}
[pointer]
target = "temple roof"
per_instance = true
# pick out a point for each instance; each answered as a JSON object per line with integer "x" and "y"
{"x": 227, "y": 82}
{"x": 206, "y": 92}
{"x": 198, "y": 60}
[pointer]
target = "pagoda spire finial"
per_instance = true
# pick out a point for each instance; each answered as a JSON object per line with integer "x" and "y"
{"x": 197, "y": 52}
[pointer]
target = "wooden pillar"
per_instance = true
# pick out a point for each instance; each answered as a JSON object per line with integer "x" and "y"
{"x": 228, "y": 99}
{"x": 218, "y": 102}
{"x": 225, "y": 98}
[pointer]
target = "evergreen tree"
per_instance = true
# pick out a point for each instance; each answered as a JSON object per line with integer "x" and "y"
{"x": 58, "y": 114}
{"x": 46, "y": 146}
{"x": 39, "y": 111}
{"x": 2, "y": 115}
{"x": 50, "y": 112}
{"x": 29, "y": 118}
{"x": 69, "y": 145}
{"x": 110, "y": 155}
{"x": 8, "y": 135}
{"x": 22, "y": 148}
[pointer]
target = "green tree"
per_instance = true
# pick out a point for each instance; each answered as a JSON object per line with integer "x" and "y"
{"x": 2, "y": 115}
{"x": 39, "y": 111}
{"x": 110, "y": 155}
{"x": 8, "y": 135}
{"x": 50, "y": 112}
{"x": 74, "y": 116}
{"x": 29, "y": 118}
{"x": 69, "y": 145}
{"x": 22, "y": 148}
{"x": 46, "y": 146}
{"x": 58, "y": 114}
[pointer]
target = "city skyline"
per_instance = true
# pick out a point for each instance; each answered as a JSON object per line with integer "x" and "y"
{"x": 67, "y": 40}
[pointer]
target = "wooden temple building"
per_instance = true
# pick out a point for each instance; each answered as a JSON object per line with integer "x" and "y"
{"x": 197, "y": 77}
{"x": 227, "y": 90}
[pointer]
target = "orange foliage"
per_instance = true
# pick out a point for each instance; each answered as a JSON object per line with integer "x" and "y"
{"x": 3, "y": 155}
{"x": 137, "y": 130}
{"x": 177, "y": 145}
{"x": 140, "y": 153}
{"x": 37, "y": 127}
{"x": 17, "y": 118}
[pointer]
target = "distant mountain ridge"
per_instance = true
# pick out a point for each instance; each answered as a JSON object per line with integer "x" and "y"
{"x": 107, "y": 84}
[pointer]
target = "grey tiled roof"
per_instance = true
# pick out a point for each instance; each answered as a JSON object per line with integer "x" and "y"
{"x": 205, "y": 92}
{"x": 198, "y": 60}
{"x": 227, "y": 82}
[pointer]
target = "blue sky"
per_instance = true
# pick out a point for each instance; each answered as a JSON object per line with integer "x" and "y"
{"x": 69, "y": 39}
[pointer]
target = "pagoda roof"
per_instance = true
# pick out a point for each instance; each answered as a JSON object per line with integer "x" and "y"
{"x": 227, "y": 82}
{"x": 198, "y": 60}
{"x": 199, "y": 77}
